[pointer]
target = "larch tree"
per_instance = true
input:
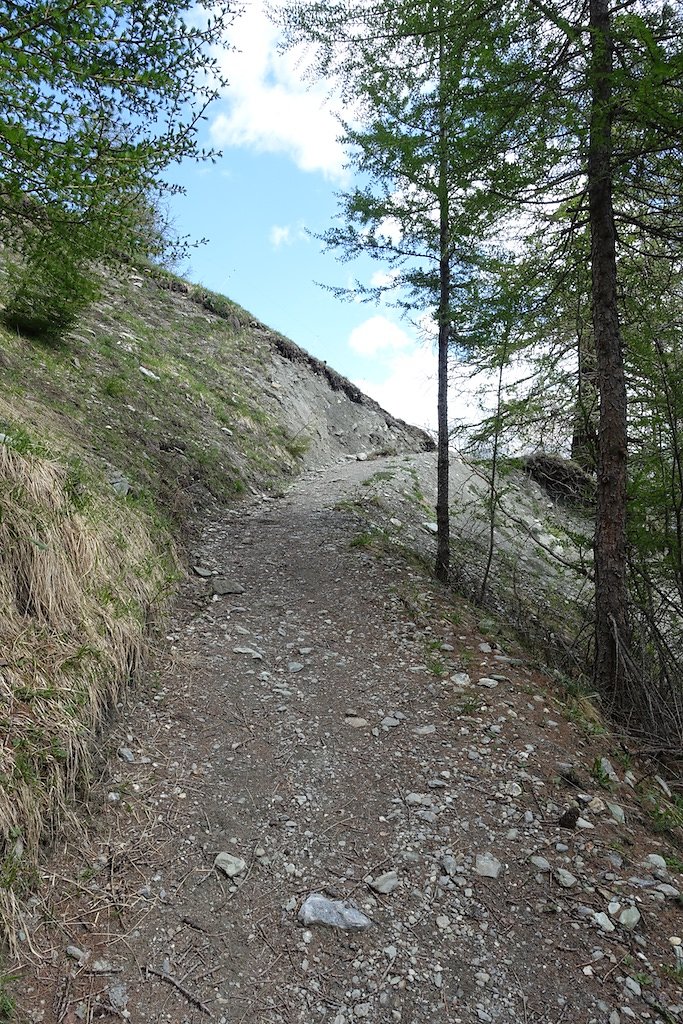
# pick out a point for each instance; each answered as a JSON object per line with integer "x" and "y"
{"x": 413, "y": 140}
{"x": 614, "y": 82}
{"x": 588, "y": 99}
{"x": 96, "y": 100}
{"x": 552, "y": 107}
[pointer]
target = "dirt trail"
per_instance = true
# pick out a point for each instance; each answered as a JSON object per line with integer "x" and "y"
{"x": 311, "y": 728}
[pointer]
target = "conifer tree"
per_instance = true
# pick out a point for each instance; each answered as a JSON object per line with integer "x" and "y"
{"x": 413, "y": 143}
{"x": 96, "y": 100}
{"x": 570, "y": 125}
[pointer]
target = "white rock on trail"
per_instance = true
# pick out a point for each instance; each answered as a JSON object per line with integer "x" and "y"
{"x": 229, "y": 865}
{"x": 318, "y": 909}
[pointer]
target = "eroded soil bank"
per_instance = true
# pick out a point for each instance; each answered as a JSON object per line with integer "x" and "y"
{"x": 342, "y": 727}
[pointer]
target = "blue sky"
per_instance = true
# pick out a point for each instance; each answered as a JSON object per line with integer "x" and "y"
{"x": 274, "y": 184}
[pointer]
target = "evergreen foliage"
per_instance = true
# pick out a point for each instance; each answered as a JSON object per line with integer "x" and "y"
{"x": 415, "y": 144}
{"x": 563, "y": 164}
{"x": 96, "y": 100}
{"x": 48, "y": 291}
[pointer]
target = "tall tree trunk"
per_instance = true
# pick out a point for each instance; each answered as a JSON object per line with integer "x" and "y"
{"x": 611, "y": 595}
{"x": 443, "y": 541}
{"x": 585, "y": 434}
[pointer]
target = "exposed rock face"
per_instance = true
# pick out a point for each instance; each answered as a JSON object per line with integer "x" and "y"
{"x": 324, "y": 412}
{"x": 330, "y": 414}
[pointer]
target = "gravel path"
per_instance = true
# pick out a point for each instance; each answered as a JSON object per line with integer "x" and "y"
{"x": 342, "y": 727}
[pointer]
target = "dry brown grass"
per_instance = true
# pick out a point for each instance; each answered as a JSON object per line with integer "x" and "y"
{"x": 81, "y": 575}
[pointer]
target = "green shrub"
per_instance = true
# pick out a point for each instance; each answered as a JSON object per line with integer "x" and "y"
{"x": 48, "y": 290}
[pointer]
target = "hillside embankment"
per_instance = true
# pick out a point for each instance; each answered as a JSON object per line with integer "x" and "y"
{"x": 166, "y": 400}
{"x": 316, "y": 710}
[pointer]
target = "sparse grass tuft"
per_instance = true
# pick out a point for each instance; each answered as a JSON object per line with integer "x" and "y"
{"x": 382, "y": 474}
{"x": 583, "y": 712}
{"x": 80, "y": 578}
{"x": 436, "y": 665}
{"x": 7, "y": 1005}
{"x": 674, "y": 863}
{"x": 297, "y": 445}
{"x": 469, "y": 705}
{"x": 581, "y": 708}
{"x": 114, "y": 386}
{"x": 666, "y": 815}
{"x": 363, "y": 540}
{"x": 600, "y": 775}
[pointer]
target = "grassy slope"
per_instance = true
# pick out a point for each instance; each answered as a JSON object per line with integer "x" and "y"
{"x": 201, "y": 425}
{"x": 84, "y": 570}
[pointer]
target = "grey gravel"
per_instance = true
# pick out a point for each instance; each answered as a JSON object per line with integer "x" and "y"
{"x": 439, "y": 848}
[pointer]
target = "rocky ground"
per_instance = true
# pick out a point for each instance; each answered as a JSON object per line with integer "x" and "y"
{"x": 324, "y": 721}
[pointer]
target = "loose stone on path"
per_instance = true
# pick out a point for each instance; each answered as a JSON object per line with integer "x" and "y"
{"x": 221, "y": 588}
{"x": 318, "y": 909}
{"x": 230, "y": 865}
{"x": 356, "y": 722}
{"x": 486, "y": 865}
{"x": 565, "y": 878}
{"x": 256, "y": 655}
{"x": 385, "y": 883}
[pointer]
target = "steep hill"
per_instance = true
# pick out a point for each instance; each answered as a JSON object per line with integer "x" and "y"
{"x": 319, "y": 717}
{"x": 164, "y": 401}
{"x": 184, "y": 393}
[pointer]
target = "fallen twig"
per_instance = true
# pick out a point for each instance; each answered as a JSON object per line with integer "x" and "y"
{"x": 193, "y": 1000}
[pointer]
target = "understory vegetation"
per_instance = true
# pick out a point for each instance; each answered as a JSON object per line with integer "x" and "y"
{"x": 82, "y": 578}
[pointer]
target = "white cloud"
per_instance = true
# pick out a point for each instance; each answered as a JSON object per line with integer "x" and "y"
{"x": 378, "y": 335}
{"x": 288, "y": 234}
{"x": 389, "y": 228}
{"x": 269, "y": 106}
{"x": 409, "y": 389}
{"x": 383, "y": 278}
{"x": 280, "y": 235}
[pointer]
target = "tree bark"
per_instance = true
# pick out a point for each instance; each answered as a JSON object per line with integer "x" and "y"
{"x": 443, "y": 541}
{"x": 611, "y": 594}
{"x": 585, "y": 434}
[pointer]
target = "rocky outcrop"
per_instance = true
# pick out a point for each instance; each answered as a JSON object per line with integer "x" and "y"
{"x": 329, "y": 414}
